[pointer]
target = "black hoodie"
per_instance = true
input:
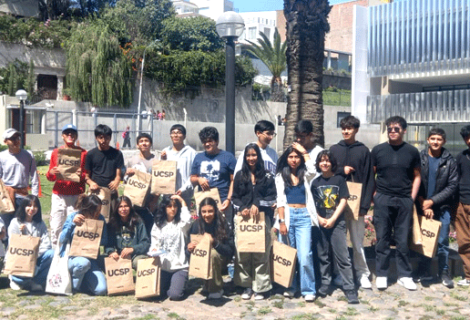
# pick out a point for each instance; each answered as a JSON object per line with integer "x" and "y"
{"x": 356, "y": 155}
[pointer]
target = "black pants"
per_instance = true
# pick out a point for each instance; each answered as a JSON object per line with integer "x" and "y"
{"x": 332, "y": 248}
{"x": 392, "y": 213}
{"x": 127, "y": 142}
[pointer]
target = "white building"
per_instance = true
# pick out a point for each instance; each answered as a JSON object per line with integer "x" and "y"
{"x": 256, "y": 22}
{"x": 212, "y": 8}
{"x": 185, "y": 8}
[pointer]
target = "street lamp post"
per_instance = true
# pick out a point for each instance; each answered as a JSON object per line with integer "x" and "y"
{"x": 21, "y": 95}
{"x": 139, "y": 116}
{"x": 230, "y": 26}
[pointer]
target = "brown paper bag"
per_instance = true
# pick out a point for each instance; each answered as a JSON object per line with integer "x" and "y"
{"x": 137, "y": 187}
{"x": 163, "y": 177}
{"x": 119, "y": 276}
{"x": 6, "y": 205}
{"x": 105, "y": 195}
{"x": 283, "y": 261}
{"x": 68, "y": 163}
{"x": 200, "y": 262}
{"x": 416, "y": 237}
{"x": 251, "y": 234}
{"x": 354, "y": 201}
{"x": 22, "y": 255}
{"x": 200, "y": 195}
{"x": 147, "y": 282}
{"x": 86, "y": 239}
{"x": 430, "y": 229}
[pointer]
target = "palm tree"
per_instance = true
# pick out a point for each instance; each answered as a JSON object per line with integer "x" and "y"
{"x": 273, "y": 55}
{"x": 307, "y": 25}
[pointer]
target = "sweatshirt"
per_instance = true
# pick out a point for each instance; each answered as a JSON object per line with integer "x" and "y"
{"x": 126, "y": 238}
{"x": 38, "y": 229}
{"x": 172, "y": 238}
{"x": 356, "y": 155}
{"x": 225, "y": 248}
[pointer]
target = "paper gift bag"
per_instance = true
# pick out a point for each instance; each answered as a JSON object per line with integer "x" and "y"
{"x": 251, "y": 234}
{"x": 6, "y": 204}
{"x": 105, "y": 195}
{"x": 22, "y": 255}
{"x": 430, "y": 229}
{"x": 354, "y": 201}
{"x": 200, "y": 195}
{"x": 283, "y": 261}
{"x": 119, "y": 276}
{"x": 416, "y": 237}
{"x": 68, "y": 163}
{"x": 200, "y": 264}
{"x": 163, "y": 177}
{"x": 59, "y": 280}
{"x": 137, "y": 187}
{"x": 86, "y": 239}
{"x": 147, "y": 282}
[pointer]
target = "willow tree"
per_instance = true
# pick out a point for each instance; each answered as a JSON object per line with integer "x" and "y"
{"x": 307, "y": 25}
{"x": 273, "y": 55}
{"x": 97, "y": 69}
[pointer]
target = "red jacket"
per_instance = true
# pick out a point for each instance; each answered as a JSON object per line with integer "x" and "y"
{"x": 63, "y": 187}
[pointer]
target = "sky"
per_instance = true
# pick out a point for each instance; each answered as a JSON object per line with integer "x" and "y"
{"x": 266, "y": 5}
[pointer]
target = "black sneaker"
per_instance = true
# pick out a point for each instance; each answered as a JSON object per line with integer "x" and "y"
{"x": 324, "y": 291}
{"x": 426, "y": 277}
{"x": 352, "y": 296}
{"x": 246, "y": 295}
{"x": 446, "y": 279}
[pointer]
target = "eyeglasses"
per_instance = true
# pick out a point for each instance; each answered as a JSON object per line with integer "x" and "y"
{"x": 175, "y": 133}
{"x": 270, "y": 134}
{"x": 393, "y": 129}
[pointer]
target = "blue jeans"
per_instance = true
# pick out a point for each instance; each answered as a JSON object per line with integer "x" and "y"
{"x": 87, "y": 276}
{"x": 300, "y": 237}
{"x": 442, "y": 244}
{"x": 42, "y": 268}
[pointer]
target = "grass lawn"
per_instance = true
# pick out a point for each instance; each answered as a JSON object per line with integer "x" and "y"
{"x": 46, "y": 189}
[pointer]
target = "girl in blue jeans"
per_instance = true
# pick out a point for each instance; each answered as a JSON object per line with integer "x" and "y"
{"x": 86, "y": 273}
{"x": 28, "y": 221}
{"x": 297, "y": 214}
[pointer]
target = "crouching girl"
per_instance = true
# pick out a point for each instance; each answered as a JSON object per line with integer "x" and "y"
{"x": 28, "y": 221}
{"x": 85, "y": 272}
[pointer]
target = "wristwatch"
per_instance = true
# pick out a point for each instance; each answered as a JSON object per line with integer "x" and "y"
{"x": 282, "y": 221}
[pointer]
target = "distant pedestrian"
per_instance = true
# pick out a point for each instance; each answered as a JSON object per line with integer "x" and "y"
{"x": 126, "y": 135}
{"x": 163, "y": 114}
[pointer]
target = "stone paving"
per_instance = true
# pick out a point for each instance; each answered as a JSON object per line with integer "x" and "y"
{"x": 430, "y": 301}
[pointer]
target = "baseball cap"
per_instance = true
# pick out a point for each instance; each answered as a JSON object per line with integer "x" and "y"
{"x": 69, "y": 127}
{"x": 10, "y": 132}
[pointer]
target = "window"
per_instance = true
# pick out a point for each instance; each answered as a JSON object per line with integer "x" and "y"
{"x": 267, "y": 33}
{"x": 340, "y": 116}
{"x": 252, "y": 33}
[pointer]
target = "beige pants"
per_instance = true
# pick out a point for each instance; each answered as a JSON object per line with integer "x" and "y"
{"x": 218, "y": 263}
{"x": 61, "y": 207}
{"x": 252, "y": 270}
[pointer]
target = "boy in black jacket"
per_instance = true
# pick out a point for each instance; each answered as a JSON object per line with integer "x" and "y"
{"x": 354, "y": 164}
{"x": 439, "y": 181}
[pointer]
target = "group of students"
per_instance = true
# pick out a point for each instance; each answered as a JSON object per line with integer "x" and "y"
{"x": 306, "y": 184}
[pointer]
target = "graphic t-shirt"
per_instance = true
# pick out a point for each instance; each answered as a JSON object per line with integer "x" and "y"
{"x": 327, "y": 193}
{"x": 216, "y": 169}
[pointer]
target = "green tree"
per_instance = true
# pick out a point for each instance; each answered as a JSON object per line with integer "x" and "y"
{"x": 97, "y": 68}
{"x": 196, "y": 33}
{"x": 273, "y": 55}
{"x": 307, "y": 25}
{"x": 14, "y": 77}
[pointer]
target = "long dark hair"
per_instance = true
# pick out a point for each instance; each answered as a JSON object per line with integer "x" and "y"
{"x": 219, "y": 220}
{"x": 259, "y": 167}
{"x": 115, "y": 220}
{"x": 87, "y": 205}
{"x": 160, "y": 215}
{"x": 284, "y": 169}
{"x": 26, "y": 202}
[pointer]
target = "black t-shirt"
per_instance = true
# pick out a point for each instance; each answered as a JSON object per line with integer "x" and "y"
{"x": 395, "y": 166}
{"x": 102, "y": 165}
{"x": 327, "y": 192}
{"x": 463, "y": 168}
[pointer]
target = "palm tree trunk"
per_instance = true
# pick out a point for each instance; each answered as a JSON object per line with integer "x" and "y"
{"x": 306, "y": 28}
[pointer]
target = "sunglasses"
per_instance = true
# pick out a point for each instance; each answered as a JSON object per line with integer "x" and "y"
{"x": 393, "y": 129}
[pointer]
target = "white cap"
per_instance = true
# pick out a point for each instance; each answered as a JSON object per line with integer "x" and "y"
{"x": 10, "y": 132}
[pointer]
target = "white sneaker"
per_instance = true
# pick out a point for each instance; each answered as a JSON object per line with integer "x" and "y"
{"x": 463, "y": 283}
{"x": 309, "y": 297}
{"x": 13, "y": 284}
{"x": 381, "y": 283}
{"x": 365, "y": 282}
{"x": 289, "y": 294}
{"x": 216, "y": 295}
{"x": 407, "y": 282}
